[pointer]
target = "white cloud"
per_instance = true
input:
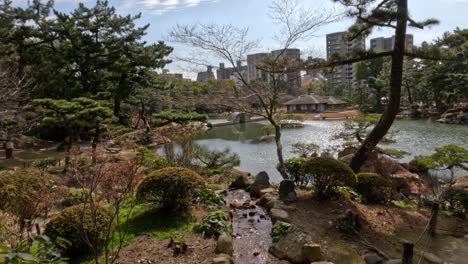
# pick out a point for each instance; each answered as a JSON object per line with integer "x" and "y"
{"x": 159, "y": 7}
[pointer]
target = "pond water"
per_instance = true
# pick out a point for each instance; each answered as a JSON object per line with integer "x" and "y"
{"x": 417, "y": 137}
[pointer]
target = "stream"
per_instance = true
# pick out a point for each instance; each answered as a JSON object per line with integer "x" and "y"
{"x": 251, "y": 228}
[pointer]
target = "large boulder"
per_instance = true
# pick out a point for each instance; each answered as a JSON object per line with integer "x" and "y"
{"x": 287, "y": 192}
{"x": 462, "y": 182}
{"x": 279, "y": 215}
{"x": 224, "y": 245}
{"x": 290, "y": 245}
{"x": 243, "y": 181}
{"x": 267, "y": 198}
{"x": 312, "y": 252}
{"x": 222, "y": 259}
{"x": 262, "y": 181}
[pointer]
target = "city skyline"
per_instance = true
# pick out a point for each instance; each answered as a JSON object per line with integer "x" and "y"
{"x": 163, "y": 15}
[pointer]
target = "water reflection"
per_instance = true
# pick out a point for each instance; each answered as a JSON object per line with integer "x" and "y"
{"x": 417, "y": 137}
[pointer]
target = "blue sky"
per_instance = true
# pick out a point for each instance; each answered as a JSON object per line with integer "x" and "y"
{"x": 164, "y": 14}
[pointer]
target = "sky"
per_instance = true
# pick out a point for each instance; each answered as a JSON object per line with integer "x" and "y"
{"x": 163, "y": 15}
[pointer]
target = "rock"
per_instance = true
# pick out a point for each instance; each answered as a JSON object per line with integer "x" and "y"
{"x": 235, "y": 204}
{"x": 372, "y": 258}
{"x": 431, "y": 258}
{"x": 223, "y": 259}
{"x": 321, "y": 262}
{"x": 287, "y": 192}
{"x": 267, "y": 190}
{"x": 393, "y": 261}
{"x": 224, "y": 245}
{"x": 278, "y": 214}
{"x": 242, "y": 182}
{"x": 268, "y": 138}
{"x": 264, "y": 199}
{"x": 289, "y": 246}
{"x": 462, "y": 182}
{"x": 414, "y": 167}
{"x": 347, "y": 151}
{"x": 262, "y": 181}
{"x": 312, "y": 252}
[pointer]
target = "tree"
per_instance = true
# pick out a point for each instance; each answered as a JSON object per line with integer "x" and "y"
{"x": 305, "y": 150}
{"x": 229, "y": 43}
{"x": 215, "y": 161}
{"x": 75, "y": 115}
{"x": 381, "y": 13}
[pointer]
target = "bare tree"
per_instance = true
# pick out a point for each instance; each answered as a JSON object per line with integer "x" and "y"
{"x": 14, "y": 104}
{"x": 229, "y": 43}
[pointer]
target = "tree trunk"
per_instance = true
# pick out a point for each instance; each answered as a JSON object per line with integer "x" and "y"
{"x": 433, "y": 219}
{"x": 95, "y": 142}
{"x": 396, "y": 75}
{"x": 279, "y": 150}
{"x": 408, "y": 251}
{"x": 408, "y": 90}
{"x": 117, "y": 108}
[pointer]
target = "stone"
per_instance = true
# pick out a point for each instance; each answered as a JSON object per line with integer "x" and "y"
{"x": 223, "y": 259}
{"x": 262, "y": 181}
{"x": 372, "y": 258}
{"x": 312, "y": 252}
{"x": 393, "y": 261}
{"x": 267, "y": 190}
{"x": 242, "y": 182}
{"x": 321, "y": 262}
{"x": 235, "y": 204}
{"x": 289, "y": 246}
{"x": 264, "y": 199}
{"x": 224, "y": 245}
{"x": 278, "y": 214}
{"x": 431, "y": 258}
{"x": 287, "y": 192}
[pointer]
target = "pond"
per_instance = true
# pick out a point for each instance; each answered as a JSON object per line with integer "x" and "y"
{"x": 417, "y": 137}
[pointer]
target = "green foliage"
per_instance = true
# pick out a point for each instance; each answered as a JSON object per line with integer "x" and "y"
{"x": 78, "y": 225}
{"x": 457, "y": 199}
{"x": 44, "y": 164}
{"x": 214, "y": 224}
{"x": 180, "y": 118}
{"x": 350, "y": 193}
{"x": 215, "y": 161}
{"x": 304, "y": 149}
{"x": 208, "y": 197}
{"x": 150, "y": 161}
{"x": 294, "y": 168}
{"x": 327, "y": 174}
{"x": 268, "y": 129}
{"x": 374, "y": 188}
{"x": 34, "y": 250}
{"x": 448, "y": 156}
{"x": 75, "y": 196}
{"x": 278, "y": 231}
{"x": 170, "y": 188}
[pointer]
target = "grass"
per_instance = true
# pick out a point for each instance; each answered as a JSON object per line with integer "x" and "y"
{"x": 406, "y": 204}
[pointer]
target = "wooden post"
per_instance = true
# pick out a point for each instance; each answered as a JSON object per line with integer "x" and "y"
{"x": 408, "y": 250}
{"x": 9, "y": 147}
{"x": 433, "y": 220}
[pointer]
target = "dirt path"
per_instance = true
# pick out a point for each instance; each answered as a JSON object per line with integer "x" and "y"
{"x": 251, "y": 230}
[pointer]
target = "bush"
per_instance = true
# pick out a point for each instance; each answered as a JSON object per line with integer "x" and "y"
{"x": 374, "y": 188}
{"x": 213, "y": 224}
{"x": 327, "y": 173}
{"x": 180, "y": 118}
{"x": 75, "y": 224}
{"x": 208, "y": 197}
{"x": 75, "y": 196}
{"x": 294, "y": 168}
{"x": 170, "y": 188}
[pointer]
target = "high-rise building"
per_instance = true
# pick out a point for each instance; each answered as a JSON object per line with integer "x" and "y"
{"x": 204, "y": 76}
{"x": 232, "y": 73}
{"x": 176, "y": 75}
{"x": 387, "y": 44}
{"x": 337, "y": 43}
{"x": 293, "y": 56}
{"x": 253, "y": 72}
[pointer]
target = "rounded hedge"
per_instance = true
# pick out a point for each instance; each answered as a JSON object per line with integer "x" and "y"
{"x": 327, "y": 173}
{"x": 75, "y": 196}
{"x": 374, "y": 188}
{"x": 76, "y": 226}
{"x": 294, "y": 168}
{"x": 170, "y": 188}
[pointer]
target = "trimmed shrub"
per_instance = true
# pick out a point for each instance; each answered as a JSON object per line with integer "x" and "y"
{"x": 75, "y": 196}
{"x": 326, "y": 174}
{"x": 75, "y": 224}
{"x": 294, "y": 168}
{"x": 374, "y": 188}
{"x": 214, "y": 224}
{"x": 171, "y": 188}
